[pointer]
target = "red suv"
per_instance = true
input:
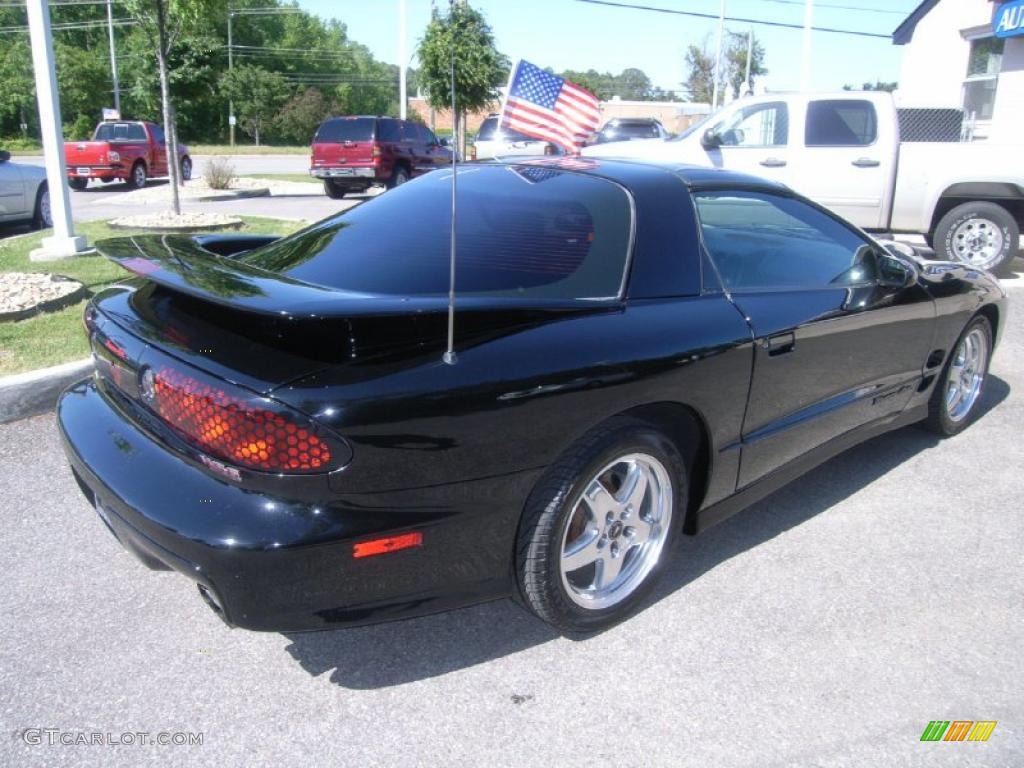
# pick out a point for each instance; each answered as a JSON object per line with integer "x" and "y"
{"x": 351, "y": 153}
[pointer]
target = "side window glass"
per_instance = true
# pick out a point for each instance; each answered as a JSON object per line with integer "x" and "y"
{"x": 840, "y": 123}
{"x": 158, "y": 133}
{"x": 389, "y": 130}
{"x": 429, "y": 137}
{"x": 759, "y": 125}
{"x": 762, "y": 241}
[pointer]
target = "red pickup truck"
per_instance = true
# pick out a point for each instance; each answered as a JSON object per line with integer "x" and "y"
{"x": 128, "y": 150}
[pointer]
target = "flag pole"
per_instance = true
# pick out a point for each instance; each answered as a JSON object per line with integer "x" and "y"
{"x": 449, "y": 355}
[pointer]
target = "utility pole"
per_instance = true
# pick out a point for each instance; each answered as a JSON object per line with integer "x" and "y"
{"x": 63, "y": 243}
{"x": 113, "y": 56}
{"x": 805, "y": 55}
{"x": 231, "y": 64}
{"x": 718, "y": 55}
{"x": 402, "y": 61}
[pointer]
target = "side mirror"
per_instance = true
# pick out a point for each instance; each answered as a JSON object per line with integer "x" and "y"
{"x": 4, "y": 155}
{"x": 444, "y": 141}
{"x": 711, "y": 139}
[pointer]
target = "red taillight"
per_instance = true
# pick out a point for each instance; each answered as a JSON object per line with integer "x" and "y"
{"x": 232, "y": 428}
{"x": 387, "y": 544}
{"x": 376, "y": 152}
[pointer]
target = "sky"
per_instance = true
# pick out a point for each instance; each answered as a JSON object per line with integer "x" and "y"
{"x": 568, "y": 34}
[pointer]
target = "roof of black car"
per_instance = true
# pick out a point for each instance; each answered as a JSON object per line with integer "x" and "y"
{"x": 625, "y": 171}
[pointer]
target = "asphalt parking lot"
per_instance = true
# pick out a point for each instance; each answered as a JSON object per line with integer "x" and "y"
{"x": 826, "y": 626}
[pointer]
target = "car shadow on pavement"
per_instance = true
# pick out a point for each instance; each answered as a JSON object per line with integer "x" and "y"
{"x": 399, "y": 652}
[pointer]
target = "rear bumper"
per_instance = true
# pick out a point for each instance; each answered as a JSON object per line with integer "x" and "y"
{"x": 271, "y": 563}
{"x": 97, "y": 171}
{"x": 341, "y": 173}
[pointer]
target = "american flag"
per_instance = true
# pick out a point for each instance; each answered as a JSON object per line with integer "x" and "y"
{"x": 549, "y": 107}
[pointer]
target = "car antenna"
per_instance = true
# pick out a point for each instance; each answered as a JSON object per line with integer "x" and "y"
{"x": 449, "y": 355}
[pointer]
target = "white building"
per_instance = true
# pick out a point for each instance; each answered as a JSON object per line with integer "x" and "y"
{"x": 967, "y": 54}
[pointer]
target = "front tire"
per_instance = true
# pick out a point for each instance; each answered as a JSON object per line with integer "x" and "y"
{"x": 957, "y": 395}
{"x": 980, "y": 234}
{"x": 600, "y": 525}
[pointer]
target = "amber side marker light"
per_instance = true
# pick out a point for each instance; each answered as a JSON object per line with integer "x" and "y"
{"x": 387, "y": 544}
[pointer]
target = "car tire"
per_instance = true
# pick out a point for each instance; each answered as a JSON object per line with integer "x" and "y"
{"x": 957, "y": 395}
{"x": 78, "y": 183}
{"x": 137, "y": 178}
{"x": 42, "y": 215}
{"x": 981, "y": 234}
{"x": 579, "y": 509}
{"x": 398, "y": 177}
{"x": 186, "y": 169}
{"x": 334, "y": 190}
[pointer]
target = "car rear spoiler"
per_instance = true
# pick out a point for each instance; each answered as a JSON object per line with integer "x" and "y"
{"x": 190, "y": 265}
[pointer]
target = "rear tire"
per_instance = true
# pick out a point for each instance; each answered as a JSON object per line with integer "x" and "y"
{"x": 588, "y": 549}
{"x": 77, "y": 183}
{"x": 137, "y": 177}
{"x": 979, "y": 234}
{"x": 955, "y": 400}
{"x": 42, "y": 217}
{"x": 334, "y": 190}
{"x": 398, "y": 177}
{"x": 186, "y": 169}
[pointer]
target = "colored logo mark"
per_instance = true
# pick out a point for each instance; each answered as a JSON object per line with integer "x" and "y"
{"x": 958, "y": 730}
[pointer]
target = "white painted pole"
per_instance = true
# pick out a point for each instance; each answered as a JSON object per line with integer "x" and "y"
{"x": 113, "y": 57}
{"x": 63, "y": 243}
{"x": 403, "y": 62}
{"x": 805, "y": 55}
{"x": 718, "y": 55}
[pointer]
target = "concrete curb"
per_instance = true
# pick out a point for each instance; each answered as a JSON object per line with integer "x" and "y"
{"x": 27, "y": 394}
{"x": 239, "y": 194}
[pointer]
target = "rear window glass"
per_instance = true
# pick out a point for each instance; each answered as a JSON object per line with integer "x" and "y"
{"x": 841, "y": 123}
{"x": 346, "y": 129}
{"x": 489, "y": 131}
{"x": 523, "y": 231}
{"x": 389, "y": 130}
{"x": 120, "y": 132}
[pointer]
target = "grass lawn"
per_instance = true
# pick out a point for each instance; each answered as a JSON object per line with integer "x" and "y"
{"x": 303, "y": 177}
{"x": 245, "y": 149}
{"x": 57, "y": 337}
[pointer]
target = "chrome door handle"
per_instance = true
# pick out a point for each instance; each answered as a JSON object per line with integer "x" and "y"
{"x": 865, "y": 162}
{"x": 773, "y": 162}
{"x": 779, "y": 344}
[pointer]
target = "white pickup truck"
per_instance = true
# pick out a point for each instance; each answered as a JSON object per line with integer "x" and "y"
{"x": 844, "y": 150}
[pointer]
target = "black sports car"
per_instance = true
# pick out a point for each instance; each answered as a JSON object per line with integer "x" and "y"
{"x": 640, "y": 351}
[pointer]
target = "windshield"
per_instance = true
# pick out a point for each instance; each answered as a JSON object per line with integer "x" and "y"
{"x": 489, "y": 131}
{"x": 346, "y": 129}
{"x": 630, "y": 131}
{"x": 523, "y": 232}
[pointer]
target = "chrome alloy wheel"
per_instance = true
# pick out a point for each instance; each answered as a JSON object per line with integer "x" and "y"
{"x": 978, "y": 242}
{"x": 616, "y": 531}
{"x": 966, "y": 374}
{"x": 45, "y": 211}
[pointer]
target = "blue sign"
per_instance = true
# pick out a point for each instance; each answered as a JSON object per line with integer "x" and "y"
{"x": 1009, "y": 19}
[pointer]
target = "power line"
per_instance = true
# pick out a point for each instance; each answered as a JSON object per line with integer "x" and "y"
{"x": 839, "y": 7}
{"x": 733, "y": 18}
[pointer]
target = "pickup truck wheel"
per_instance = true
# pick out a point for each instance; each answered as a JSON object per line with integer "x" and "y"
{"x": 137, "y": 178}
{"x": 398, "y": 177}
{"x": 78, "y": 183}
{"x": 981, "y": 234}
{"x": 334, "y": 190}
{"x": 186, "y": 169}
{"x": 42, "y": 218}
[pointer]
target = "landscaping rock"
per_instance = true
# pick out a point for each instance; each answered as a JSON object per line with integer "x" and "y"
{"x": 23, "y": 294}
{"x": 165, "y": 221}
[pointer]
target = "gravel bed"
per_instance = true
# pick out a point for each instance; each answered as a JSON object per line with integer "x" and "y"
{"x": 25, "y": 292}
{"x": 186, "y": 222}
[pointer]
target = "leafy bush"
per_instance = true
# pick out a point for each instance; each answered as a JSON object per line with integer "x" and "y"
{"x": 219, "y": 172}
{"x": 18, "y": 144}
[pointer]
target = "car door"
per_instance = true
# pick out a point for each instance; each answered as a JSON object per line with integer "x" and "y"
{"x": 436, "y": 155}
{"x": 12, "y": 191}
{"x": 752, "y": 139}
{"x": 842, "y": 328}
{"x": 158, "y": 164}
{"x": 847, "y": 160}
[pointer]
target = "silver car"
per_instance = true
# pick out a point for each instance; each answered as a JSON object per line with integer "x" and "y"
{"x": 494, "y": 142}
{"x": 24, "y": 197}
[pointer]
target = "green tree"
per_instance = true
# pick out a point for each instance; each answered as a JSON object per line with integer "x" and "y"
{"x": 258, "y": 96}
{"x": 301, "y": 115}
{"x": 700, "y": 81}
{"x": 878, "y": 85}
{"x": 164, "y": 22}
{"x": 701, "y": 66}
{"x": 479, "y": 67}
{"x": 736, "y": 62}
